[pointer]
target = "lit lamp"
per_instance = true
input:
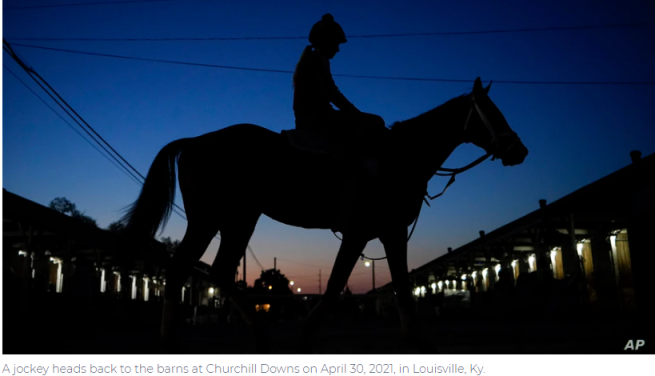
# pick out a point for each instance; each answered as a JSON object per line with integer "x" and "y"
{"x": 291, "y": 283}
{"x": 531, "y": 262}
{"x": 298, "y": 289}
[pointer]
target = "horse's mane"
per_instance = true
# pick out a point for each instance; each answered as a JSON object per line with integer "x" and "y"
{"x": 420, "y": 119}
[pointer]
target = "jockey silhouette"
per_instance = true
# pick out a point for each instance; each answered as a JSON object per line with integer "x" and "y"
{"x": 314, "y": 90}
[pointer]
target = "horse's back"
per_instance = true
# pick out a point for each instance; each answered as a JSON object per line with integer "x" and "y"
{"x": 254, "y": 152}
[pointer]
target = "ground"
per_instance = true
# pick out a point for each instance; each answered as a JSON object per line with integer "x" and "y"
{"x": 133, "y": 329}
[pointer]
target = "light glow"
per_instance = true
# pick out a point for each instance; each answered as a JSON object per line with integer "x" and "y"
{"x": 579, "y": 247}
{"x": 497, "y": 268}
{"x": 133, "y": 287}
{"x": 291, "y": 283}
{"x": 299, "y": 289}
{"x": 146, "y": 289}
{"x": 553, "y": 257}
{"x": 103, "y": 283}
{"x": 367, "y": 264}
{"x": 262, "y": 307}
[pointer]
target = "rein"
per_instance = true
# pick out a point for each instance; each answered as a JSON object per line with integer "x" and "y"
{"x": 452, "y": 172}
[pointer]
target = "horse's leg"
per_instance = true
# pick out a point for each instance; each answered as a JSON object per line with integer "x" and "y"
{"x": 234, "y": 241}
{"x": 395, "y": 247}
{"x": 350, "y": 250}
{"x": 196, "y": 240}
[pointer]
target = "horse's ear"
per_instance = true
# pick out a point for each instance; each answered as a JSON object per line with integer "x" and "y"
{"x": 486, "y": 89}
{"x": 477, "y": 85}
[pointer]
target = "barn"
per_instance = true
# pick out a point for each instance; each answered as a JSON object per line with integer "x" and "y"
{"x": 589, "y": 251}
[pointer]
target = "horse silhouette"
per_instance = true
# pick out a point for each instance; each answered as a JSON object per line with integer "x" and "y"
{"x": 230, "y": 177}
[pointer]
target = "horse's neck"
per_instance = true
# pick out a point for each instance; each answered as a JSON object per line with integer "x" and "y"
{"x": 426, "y": 141}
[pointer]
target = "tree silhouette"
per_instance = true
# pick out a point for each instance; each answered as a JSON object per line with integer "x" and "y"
{"x": 171, "y": 245}
{"x": 63, "y": 205}
{"x": 272, "y": 281}
{"x": 116, "y": 226}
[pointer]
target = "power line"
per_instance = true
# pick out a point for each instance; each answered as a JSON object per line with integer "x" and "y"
{"x": 444, "y": 33}
{"x": 31, "y": 72}
{"x": 84, "y": 4}
{"x": 338, "y": 75}
{"x": 71, "y": 126}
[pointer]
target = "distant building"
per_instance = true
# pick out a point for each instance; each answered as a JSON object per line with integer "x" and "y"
{"x": 592, "y": 249}
{"x": 47, "y": 251}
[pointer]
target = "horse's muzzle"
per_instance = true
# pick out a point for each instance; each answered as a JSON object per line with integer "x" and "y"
{"x": 515, "y": 154}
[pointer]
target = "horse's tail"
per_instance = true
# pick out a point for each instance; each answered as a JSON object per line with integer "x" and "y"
{"x": 153, "y": 207}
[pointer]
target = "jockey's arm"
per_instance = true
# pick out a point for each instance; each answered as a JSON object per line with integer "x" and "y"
{"x": 337, "y": 98}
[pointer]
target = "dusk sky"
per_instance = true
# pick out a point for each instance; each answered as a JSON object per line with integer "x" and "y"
{"x": 575, "y": 134}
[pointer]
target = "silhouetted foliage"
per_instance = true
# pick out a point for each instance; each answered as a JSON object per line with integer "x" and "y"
{"x": 116, "y": 226}
{"x": 171, "y": 245}
{"x": 279, "y": 284}
{"x": 63, "y": 205}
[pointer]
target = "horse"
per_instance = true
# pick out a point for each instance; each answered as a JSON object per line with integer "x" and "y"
{"x": 230, "y": 177}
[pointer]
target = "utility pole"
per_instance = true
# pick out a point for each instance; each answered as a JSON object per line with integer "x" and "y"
{"x": 373, "y": 266}
{"x": 319, "y": 281}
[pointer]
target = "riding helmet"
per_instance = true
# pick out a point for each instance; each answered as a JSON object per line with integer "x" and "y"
{"x": 326, "y": 31}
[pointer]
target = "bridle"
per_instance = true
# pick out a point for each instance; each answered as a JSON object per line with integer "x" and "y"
{"x": 495, "y": 137}
{"x": 495, "y": 142}
{"x": 452, "y": 172}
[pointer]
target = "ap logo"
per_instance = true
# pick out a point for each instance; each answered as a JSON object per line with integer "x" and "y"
{"x": 634, "y": 345}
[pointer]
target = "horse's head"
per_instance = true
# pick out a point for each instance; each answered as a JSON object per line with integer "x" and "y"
{"x": 487, "y": 128}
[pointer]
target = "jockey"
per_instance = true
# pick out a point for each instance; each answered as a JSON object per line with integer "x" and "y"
{"x": 314, "y": 90}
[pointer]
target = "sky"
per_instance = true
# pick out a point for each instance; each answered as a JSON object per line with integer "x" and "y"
{"x": 575, "y": 134}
